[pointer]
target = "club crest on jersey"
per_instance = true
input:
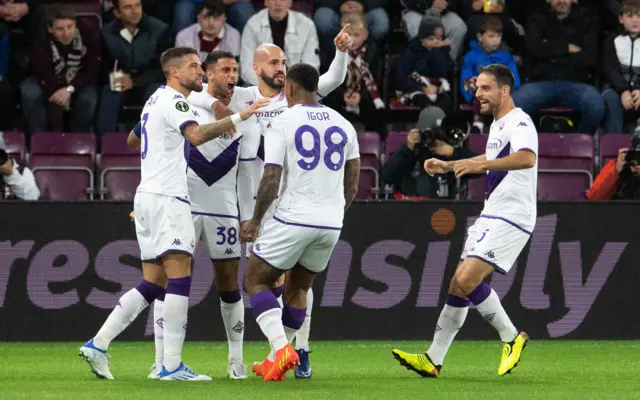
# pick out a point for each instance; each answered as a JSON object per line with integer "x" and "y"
{"x": 239, "y": 327}
{"x": 182, "y": 106}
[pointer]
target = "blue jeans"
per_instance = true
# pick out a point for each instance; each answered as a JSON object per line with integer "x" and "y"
{"x": 583, "y": 98}
{"x": 111, "y": 104}
{"x": 328, "y": 25}
{"x": 237, "y": 14}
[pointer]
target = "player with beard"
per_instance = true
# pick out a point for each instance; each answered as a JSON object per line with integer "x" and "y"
{"x": 270, "y": 68}
{"x": 162, "y": 215}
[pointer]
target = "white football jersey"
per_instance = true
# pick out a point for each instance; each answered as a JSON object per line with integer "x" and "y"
{"x": 512, "y": 195}
{"x": 212, "y": 173}
{"x": 162, "y": 147}
{"x": 312, "y": 144}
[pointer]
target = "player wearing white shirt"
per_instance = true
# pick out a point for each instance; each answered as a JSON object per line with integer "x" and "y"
{"x": 495, "y": 241}
{"x": 313, "y": 150}
{"x": 162, "y": 215}
{"x": 270, "y": 68}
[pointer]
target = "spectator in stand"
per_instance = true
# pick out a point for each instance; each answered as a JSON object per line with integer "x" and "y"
{"x": 454, "y": 27}
{"x": 18, "y": 12}
{"x": 563, "y": 47}
{"x": 133, "y": 44}
{"x": 238, "y": 13}
{"x": 211, "y": 32}
{"x": 161, "y": 9}
{"x": 619, "y": 179}
{"x": 16, "y": 181}
{"x": 488, "y": 49}
{"x": 621, "y": 68}
{"x": 478, "y": 10}
{"x": 425, "y": 67}
{"x": 290, "y": 30}
{"x": 6, "y": 94}
{"x": 66, "y": 61}
{"x": 405, "y": 168}
{"x": 328, "y": 13}
{"x": 358, "y": 99}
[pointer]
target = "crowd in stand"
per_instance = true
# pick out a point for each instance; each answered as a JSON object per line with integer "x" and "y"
{"x": 66, "y": 71}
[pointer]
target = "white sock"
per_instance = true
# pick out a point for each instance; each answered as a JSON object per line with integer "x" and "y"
{"x": 175, "y": 328}
{"x": 279, "y": 298}
{"x": 492, "y": 311}
{"x": 158, "y": 333}
{"x": 271, "y": 324}
{"x": 291, "y": 333}
{"x": 302, "y": 337}
{"x": 450, "y": 321}
{"x": 233, "y": 318}
{"x": 129, "y": 306}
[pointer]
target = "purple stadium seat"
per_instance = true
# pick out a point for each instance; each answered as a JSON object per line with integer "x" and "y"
{"x": 610, "y": 144}
{"x": 368, "y": 186}
{"x": 477, "y": 144}
{"x": 565, "y": 166}
{"x": 63, "y": 164}
{"x": 15, "y": 146}
{"x": 395, "y": 140}
{"x": 119, "y": 168}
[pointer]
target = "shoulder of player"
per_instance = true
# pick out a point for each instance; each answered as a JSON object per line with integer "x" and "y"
{"x": 520, "y": 121}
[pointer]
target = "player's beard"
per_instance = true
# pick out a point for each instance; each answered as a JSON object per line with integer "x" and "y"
{"x": 194, "y": 86}
{"x": 270, "y": 81}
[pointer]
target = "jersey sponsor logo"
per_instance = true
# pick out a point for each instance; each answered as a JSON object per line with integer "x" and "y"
{"x": 239, "y": 327}
{"x": 522, "y": 124}
{"x": 490, "y": 254}
{"x": 177, "y": 96}
{"x": 182, "y": 106}
{"x": 256, "y": 247}
{"x": 176, "y": 242}
{"x": 228, "y": 251}
{"x": 494, "y": 144}
{"x": 269, "y": 114}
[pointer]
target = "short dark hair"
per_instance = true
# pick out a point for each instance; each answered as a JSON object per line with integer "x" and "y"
{"x": 214, "y": 56}
{"x": 631, "y": 7}
{"x": 305, "y": 75}
{"x": 214, "y": 8}
{"x": 491, "y": 23}
{"x": 502, "y": 73}
{"x": 116, "y": 4}
{"x": 174, "y": 53}
{"x": 59, "y": 11}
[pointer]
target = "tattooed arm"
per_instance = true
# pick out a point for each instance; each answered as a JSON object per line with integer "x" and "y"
{"x": 351, "y": 178}
{"x": 268, "y": 190}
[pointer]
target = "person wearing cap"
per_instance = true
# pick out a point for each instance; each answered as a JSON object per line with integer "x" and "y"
{"x": 404, "y": 169}
{"x": 16, "y": 181}
{"x": 425, "y": 67}
{"x": 455, "y": 28}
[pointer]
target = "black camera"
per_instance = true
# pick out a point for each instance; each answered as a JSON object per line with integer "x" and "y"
{"x": 453, "y": 131}
{"x": 633, "y": 155}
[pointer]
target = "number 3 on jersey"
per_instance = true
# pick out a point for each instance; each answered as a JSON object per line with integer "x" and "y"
{"x": 311, "y": 157}
{"x": 143, "y": 136}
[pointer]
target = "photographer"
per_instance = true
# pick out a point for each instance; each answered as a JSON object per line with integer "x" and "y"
{"x": 619, "y": 179}
{"x": 405, "y": 171}
{"x": 17, "y": 178}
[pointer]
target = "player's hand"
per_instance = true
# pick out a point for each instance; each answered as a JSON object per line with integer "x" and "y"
{"x": 249, "y": 230}
{"x": 132, "y": 216}
{"x": 620, "y": 161}
{"x": 254, "y": 108}
{"x": 466, "y": 167}
{"x": 434, "y": 166}
{"x": 343, "y": 40}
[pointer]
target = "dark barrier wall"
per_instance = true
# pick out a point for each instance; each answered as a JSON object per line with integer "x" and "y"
{"x": 64, "y": 266}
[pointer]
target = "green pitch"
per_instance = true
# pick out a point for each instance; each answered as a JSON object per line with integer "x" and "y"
{"x": 341, "y": 370}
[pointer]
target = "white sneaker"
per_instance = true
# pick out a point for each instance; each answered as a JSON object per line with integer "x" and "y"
{"x": 237, "y": 370}
{"x": 152, "y": 373}
{"x": 182, "y": 373}
{"x": 97, "y": 360}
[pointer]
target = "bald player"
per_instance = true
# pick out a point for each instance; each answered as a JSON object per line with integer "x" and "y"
{"x": 270, "y": 68}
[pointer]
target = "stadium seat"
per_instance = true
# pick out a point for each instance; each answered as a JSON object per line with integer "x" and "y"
{"x": 610, "y": 143}
{"x": 119, "y": 168}
{"x": 395, "y": 140}
{"x": 368, "y": 185}
{"x": 477, "y": 187}
{"x": 565, "y": 166}
{"x": 15, "y": 146}
{"x": 63, "y": 165}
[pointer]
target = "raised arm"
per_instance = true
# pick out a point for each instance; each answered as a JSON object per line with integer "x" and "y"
{"x": 337, "y": 72}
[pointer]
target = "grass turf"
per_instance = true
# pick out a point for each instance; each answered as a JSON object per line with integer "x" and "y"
{"x": 342, "y": 370}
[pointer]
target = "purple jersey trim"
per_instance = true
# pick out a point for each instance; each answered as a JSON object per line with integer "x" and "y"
{"x": 494, "y": 265}
{"x": 529, "y": 150}
{"x": 183, "y": 200}
{"x": 185, "y": 123}
{"x": 312, "y": 105}
{"x": 306, "y": 225}
{"x": 272, "y": 165}
{"x": 215, "y": 215}
{"x": 164, "y": 253}
{"x": 248, "y": 159}
{"x": 507, "y": 221}
{"x": 265, "y": 261}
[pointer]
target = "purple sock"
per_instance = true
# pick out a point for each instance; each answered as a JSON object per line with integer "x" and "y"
{"x": 278, "y": 291}
{"x": 480, "y": 293}
{"x": 263, "y": 302}
{"x": 179, "y": 286}
{"x": 230, "y": 297}
{"x": 455, "y": 301}
{"x": 150, "y": 291}
{"x": 293, "y": 317}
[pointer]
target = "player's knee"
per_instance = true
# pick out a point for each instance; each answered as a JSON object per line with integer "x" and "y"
{"x": 455, "y": 289}
{"x": 464, "y": 283}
